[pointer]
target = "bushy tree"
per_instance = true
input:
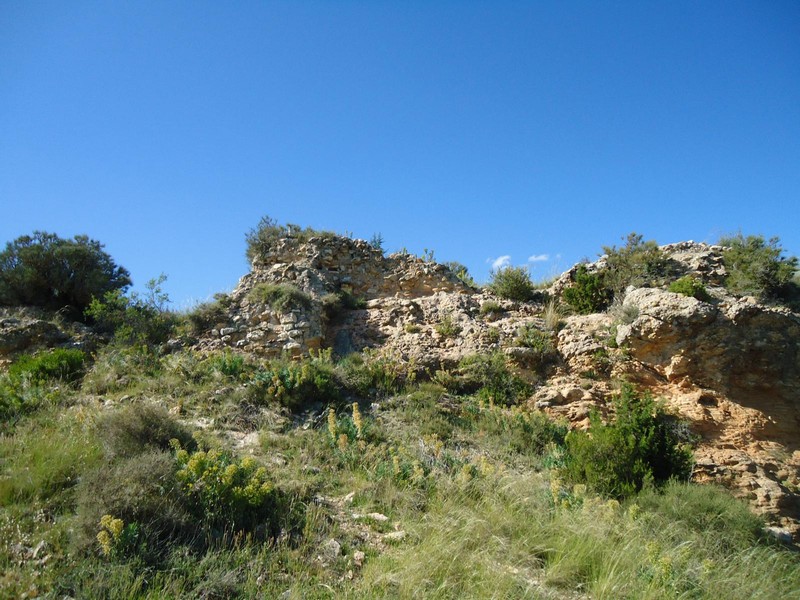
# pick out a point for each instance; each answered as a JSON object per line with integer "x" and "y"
{"x": 45, "y": 270}
{"x": 134, "y": 320}
{"x": 756, "y": 266}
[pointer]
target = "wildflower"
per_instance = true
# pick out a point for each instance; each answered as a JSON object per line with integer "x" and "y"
{"x": 332, "y": 423}
{"x": 104, "y": 539}
{"x": 357, "y": 420}
{"x": 343, "y": 441}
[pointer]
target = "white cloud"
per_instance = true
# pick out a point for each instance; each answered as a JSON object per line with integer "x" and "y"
{"x": 539, "y": 258}
{"x": 501, "y": 261}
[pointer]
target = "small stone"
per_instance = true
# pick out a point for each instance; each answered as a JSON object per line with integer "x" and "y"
{"x": 332, "y": 549}
{"x": 358, "y": 558}
{"x": 395, "y": 536}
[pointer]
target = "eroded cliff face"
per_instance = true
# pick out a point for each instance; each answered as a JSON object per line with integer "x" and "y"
{"x": 730, "y": 366}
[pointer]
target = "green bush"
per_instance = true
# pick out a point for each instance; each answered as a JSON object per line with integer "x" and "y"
{"x": 588, "y": 293}
{"x": 513, "y": 283}
{"x": 228, "y": 495}
{"x": 281, "y": 297}
{"x": 32, "y": 382}
{"x": 641, "y": 445}
{"x": 334, "y": 304}
{"x": 461, "y": 272}
{"x": 689, "y": 286}
{"x": 638, "y": 263}
{"x": 758, "y": 267}
{"x": 59, "y": 364}
{"x": 296, "y": 384}
{"x": 45, "y": 270}
{"x": 263, "y": 238}
{"x": 132, "y": 319}
{"x": 490, "y": 377}
{"x": 367, "y": 374}
{"x": 141, "y": 489}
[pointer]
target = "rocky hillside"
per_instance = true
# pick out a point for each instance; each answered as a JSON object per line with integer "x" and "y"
{"x": 727, "y": 365}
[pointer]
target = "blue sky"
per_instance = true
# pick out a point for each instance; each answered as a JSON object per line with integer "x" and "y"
{"x": 480, "y": 130}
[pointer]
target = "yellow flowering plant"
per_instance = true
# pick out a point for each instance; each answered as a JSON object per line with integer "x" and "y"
{"x": 226, "y": 493}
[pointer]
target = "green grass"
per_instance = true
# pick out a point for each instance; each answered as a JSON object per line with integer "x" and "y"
{"x": 466, "y": 477}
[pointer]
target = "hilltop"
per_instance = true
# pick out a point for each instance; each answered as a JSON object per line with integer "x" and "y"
{"x": 387, "y": 402}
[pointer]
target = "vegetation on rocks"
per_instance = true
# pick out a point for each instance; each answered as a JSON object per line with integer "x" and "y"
{"x": 148, "y": 470}
{"x": 513, "y": 283}
{"x": 758, "y": 267}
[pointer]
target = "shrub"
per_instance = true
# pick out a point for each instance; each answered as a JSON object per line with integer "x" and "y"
{"x": 140, "y": 428}
{"x": 588, "y": 293}
{"x": 641, "y": 445}
{"x": 281, "y": 297}
{"x": 58, "y": 364}
{"x": 334, "y": 304}
{"x": 489, "y": 376}
{"x": 757, "y": 267}
{"x": 141, "y": 489}
{"x": 132, "y": 319}
{"x": 689, "y": 286}
{"x": 294, "y": 384}
{"x": 368, "y": 374}
{"x": 229, "y": 495}
{"x": 263, "y": 238}
{"x": 208, "y": 315}
{"x": 638, "y": 263}
{"x": 45, "y": 270}
{"x": 513, "y": 283}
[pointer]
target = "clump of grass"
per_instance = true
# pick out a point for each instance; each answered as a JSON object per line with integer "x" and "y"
{"x": 552, "y": 315}
{"x": 491, "y": 308}
{"x": 281, "y": 297}
{"x": 208, "y": 315}
{"x": 447, "y": 326}
{"x": 262, "y": 239}
{"x": 138, "y": 428}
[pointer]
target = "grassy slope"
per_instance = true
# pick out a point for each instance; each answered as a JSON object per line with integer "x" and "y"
{"x": 467, "y": 483}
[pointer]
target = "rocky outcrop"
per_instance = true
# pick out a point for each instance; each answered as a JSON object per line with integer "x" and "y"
{"x": 27, "y": 329}
{"x": 321, "y": 267}
{"x": 730, "y": 367}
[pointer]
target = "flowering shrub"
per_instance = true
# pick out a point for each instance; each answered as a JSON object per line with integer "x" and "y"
{"x": 226, "y": 493}
{"x": 116, "y": 538}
